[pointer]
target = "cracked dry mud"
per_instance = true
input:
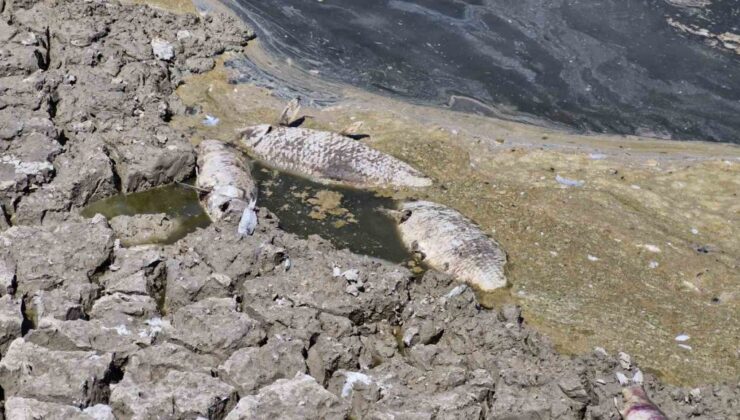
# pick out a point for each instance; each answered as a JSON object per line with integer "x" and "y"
{"x": 217, "y": 325}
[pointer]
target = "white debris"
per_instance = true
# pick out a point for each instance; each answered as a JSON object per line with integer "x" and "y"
{"x": 336, "y": 271}
{"x": 569, "y": 182}
{"x": 635, "y": 187}
{"x": 352, "y": 379}
{"x": 650, "y": 248}
{"x": 351, "y": 275}
{"x": 597, "y": 156}
{"x": 685, "y": 347}
{"x": 638, "y": 378}
{"x": 122, "y": 330}
{"x": 211, "y": 121}
{"x": 100, "y": 412}
{"x": 592, "y": 258}
{"x": 457, "y": 291}
{"x": 622, "y": 379}
{"x": 625, "y": 360}
{"x": 287, "y": 264}
{"x": 248, "y": 221}
{"x": 162, "y": 49}
{"x": 682, "y": 337}
{"x": 695, "y": 231}
{"x": 653, "y": 264}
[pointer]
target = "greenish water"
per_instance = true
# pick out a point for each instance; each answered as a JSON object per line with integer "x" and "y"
{"x": 179, "y": 202}
{"x": 355, "y": 224}
{"x": 364, "y": 229}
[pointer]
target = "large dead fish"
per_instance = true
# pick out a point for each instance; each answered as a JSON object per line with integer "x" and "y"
{"x": 637, "y": 404}
{"x": 225, "y": 179}
{"x": 452, "y": 243}
{"x": 329, "y": 157}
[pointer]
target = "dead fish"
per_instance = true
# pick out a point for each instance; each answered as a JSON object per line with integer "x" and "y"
{"x": 637, "y": 404}
{"x": 227, "y": 183}
{"x": 290, "y": 113}
{"x": 454, "y": 244}
{"x": 329, "y": 158}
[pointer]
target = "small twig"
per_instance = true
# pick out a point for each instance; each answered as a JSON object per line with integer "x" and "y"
{"x": 193, "y": 187}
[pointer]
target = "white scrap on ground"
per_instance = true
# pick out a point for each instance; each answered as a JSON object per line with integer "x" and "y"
{"x": 569, "y": 182}
{"x": 352, "y": 379}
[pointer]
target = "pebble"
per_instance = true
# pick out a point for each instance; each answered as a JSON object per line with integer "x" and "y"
{"x": 162, "y": 49}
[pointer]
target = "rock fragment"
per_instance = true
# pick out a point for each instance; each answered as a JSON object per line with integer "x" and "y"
{"x": 279, "y": 401}
{"x": 77, "y": 378}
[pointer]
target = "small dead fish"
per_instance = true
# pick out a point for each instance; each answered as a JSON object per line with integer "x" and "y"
{"x": 637, "y": 405}
{"x": 290, "y": 113}
{"x": 454, "y": 244}
{"x": 329, "y": 158}
{"x": 228, "y": 185}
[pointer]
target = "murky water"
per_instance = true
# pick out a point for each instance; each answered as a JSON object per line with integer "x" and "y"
{"x": 178, "y": 201}
{"x": 347, "y": 217}
{"x": 612, "y": 66}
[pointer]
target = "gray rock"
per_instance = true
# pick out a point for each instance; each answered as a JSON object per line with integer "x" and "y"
{"x": 200, "y": 65}
{"x": 176, "y": 395}
{"x": 151, "y": 363}
{"x": 215, "y": 326}
{"x": 121, "y": 340}
{"x": 84, "y": 174}
{"x": 29, "y": 409}
{"x": 139, "y": 270}
{"x": 77, "y": 378}
{"x": 299, "y": 397}
{"x": 11, "y": 320}
{"x": 142, "y": 163}
{"x": 251, "y": 368}
{"x": 48, "y": 258}
{"x": 142, "y": 228}
{"x": 189, "y": 279}
{"x": 121, "y": 308}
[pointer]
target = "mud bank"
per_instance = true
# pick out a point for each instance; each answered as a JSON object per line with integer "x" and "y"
{"x": 216, "y": 325}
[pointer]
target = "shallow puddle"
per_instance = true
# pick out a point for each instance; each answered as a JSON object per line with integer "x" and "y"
{"x": 347, "y": 217}
{"x": 178, "y": 201}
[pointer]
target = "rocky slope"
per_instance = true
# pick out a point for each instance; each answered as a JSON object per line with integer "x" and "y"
{"x": 218, "y": 326}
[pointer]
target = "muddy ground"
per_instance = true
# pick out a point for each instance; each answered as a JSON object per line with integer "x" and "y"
{"x": 273, "y": 325}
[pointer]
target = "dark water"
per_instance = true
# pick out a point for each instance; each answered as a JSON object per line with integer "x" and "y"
{"x": 369, "y": 232}
{"x": 178, "y": 202}
{"x": 604, "y": 66}
{"x": 365, "y": 230}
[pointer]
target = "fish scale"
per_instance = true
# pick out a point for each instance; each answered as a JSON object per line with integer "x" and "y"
{"x": 452, "y": 243}
{"x": 329, "y": 158}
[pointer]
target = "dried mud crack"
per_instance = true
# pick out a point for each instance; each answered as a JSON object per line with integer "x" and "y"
{"x": 217, "y": 325}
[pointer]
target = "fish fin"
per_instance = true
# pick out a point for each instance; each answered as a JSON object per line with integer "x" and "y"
{"x": 254, "y": 131}
{"x": 622, "y": 379}
{"x": 638, "y": 378}
{"x": 248, "y": 222}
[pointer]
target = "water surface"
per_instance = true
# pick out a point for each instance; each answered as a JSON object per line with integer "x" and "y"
{"x": 605, "y": 66}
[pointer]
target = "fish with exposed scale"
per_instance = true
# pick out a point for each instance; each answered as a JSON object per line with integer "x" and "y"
{"x": 329, "y": 158}
{"x": 227, "y": 186}
{"x": 637, "y": 405}
{"x": 454, "y": 244}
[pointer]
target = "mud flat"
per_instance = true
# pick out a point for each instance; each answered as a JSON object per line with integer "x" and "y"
{"x": 96, "y": 328}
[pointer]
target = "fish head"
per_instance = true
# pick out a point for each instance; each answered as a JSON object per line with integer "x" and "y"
{"x": 635, "y": 395}
{"x": 250, "y": 136}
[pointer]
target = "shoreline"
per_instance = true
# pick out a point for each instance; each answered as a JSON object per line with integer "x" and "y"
{"x": 138, "y": 312}
{"x": 456, "y": 149}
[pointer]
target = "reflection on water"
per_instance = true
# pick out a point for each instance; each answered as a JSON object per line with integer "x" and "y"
{"x": 347, "y": 217}
{"x": 178, "y": 201}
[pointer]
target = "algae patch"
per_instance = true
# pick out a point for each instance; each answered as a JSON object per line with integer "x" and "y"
{"x": 178, "y": 201}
